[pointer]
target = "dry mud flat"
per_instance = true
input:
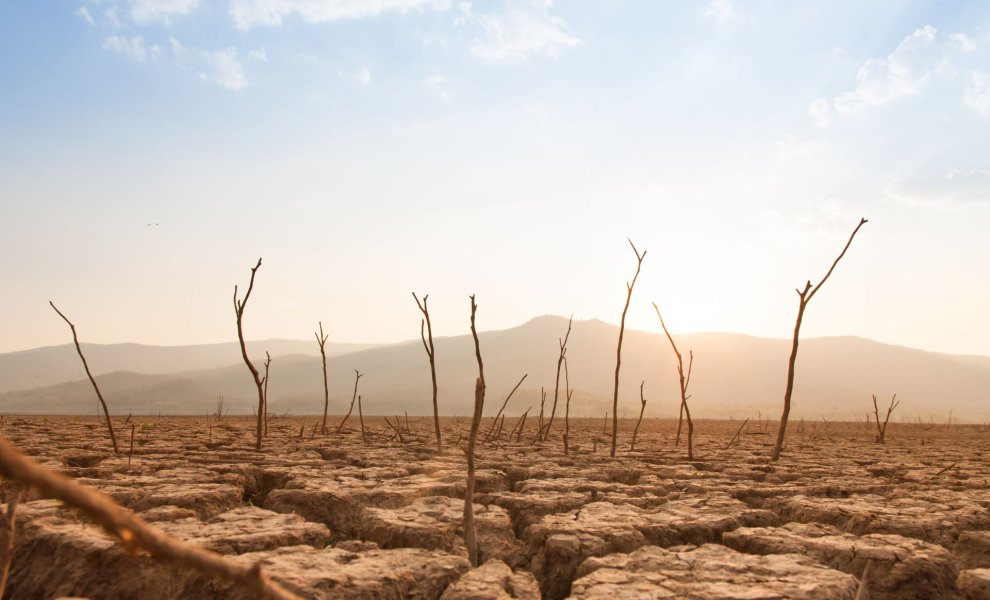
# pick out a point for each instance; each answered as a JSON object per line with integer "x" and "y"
{"x": 338, "y": 517}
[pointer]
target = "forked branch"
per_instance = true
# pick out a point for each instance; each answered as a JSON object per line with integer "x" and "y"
{"x": 239, "y": 311}
{"x": 618, "y": 349}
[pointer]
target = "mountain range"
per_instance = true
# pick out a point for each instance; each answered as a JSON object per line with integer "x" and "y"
{"x": 733, "y": 375}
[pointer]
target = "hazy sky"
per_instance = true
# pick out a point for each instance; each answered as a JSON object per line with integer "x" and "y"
{"x": 152, "y": 150}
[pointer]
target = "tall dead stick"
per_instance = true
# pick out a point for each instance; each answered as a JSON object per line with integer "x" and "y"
{"x": 106, "y": 411}
{"x": 470, "y": 535}
{"x": 642, "y": 409}
{"x": 268, "y": 364}
{"x": 321, "y": 339}
{"x": 562, "y": 342}
{"x": 804, "y": 297}
{"x": 618, "y": 349}
{"x": 357, "y": 377}
{"x": 239, "y": 311}
{"x": 431, "y": 354}
{"x": 131, "y": 530}
{"x": 683, "y": 381}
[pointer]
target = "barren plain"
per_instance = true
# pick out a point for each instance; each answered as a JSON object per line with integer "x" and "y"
{"x": 379, "y": 515}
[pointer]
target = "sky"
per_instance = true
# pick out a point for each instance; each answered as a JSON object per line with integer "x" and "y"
{"x": 152, "y": 150}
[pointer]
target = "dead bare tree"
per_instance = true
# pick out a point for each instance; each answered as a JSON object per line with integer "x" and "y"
{"x": 562, "y": 342}
{"x": 519, "y": 425}
{"x": 357, "y": 377}
{"x": 804, "y": 297}
{"x": 364, "y": 436}
{"x": 239, "y": 311}
{"x": 8, "y": 528}
{"x": 268, "y": 364}
{"x": 470, "y": 535}
{"x": 642, "y": 409}
{"x": 321, "y": 339}
{"x": 131, "y": 530}
{"x": 568, "y": 392}
{"x": 504, "y": 404}
{"x": 882, "y": 430}
{"x": 684, "y": 381}
{"x": 92, "y": 380}
{"x": 431, "y": 354}
{"x": 618, "y": 349}
{"x": 543, "y": 402}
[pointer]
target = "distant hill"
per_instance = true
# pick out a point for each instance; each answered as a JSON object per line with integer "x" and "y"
{"x": 734, "y": 376}
{"x": 57, "y": 364}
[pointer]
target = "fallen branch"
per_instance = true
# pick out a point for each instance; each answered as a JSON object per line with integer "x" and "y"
{"x": 131, "y": 530}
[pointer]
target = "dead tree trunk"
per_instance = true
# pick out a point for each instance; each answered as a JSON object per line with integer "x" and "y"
{"x": 642, "y": 409}
{"x": 75, "y": 340}
{"x": 431, "y": 354}
{"x": 504, "y": 404}
{"x": 882, "y": 431}
{"x": 683, "y": 382}
{"x": 543, "y": 402}
{"x": 268, "y": 364}
{"x": 321, "y": 339}
{"x": 618, "y": 349}
{"x": 567, "y": 409}
{"x": 804, "y": 297}
{"x": 357, "y": 377}
{"x": 470, "y": 535}
{"x": 239, "y": 311}
{"x": 556, "y": 384}
{"x": 364, "y": 436}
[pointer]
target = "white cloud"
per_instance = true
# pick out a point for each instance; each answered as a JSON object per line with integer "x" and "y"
{"x": 248, "y": 13}
{"x": 522, "y": 30}
{"x": 976, "y": 96}
{"x": 113, "y": 20}
{"x": 132, "y": 48}
{"x": 259, "y": 55}
{"x": 954, "y": 187}
{"x": 216, "y": 66}
{"x": 821, "y": 112}
{"x": 902, "y": 73}
{"x": 719, "y": 10}
{"x": 84, "y": 13}
{"x": 144, "y": 12}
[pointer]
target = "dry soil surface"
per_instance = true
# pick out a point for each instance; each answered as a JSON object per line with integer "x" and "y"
{"x": 352, "y": 515}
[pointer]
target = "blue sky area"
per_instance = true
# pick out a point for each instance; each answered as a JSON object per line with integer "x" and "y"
{"x": 151, "y": 150}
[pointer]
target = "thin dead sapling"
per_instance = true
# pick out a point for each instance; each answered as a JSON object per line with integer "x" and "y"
{"x": 882, "y": 430}
{"x": 562, "y": 342}
{"x": 75, "y": 340}
{"x": 470, "y": 535}
{"x": 618, "y": 349}
{"x": 357, "y": 377}
{"x": 804, "y": 297}
{"x": 683, "y": 381}
{"x": 321, "y": 339}
{"x": 431, "y": 354}
{"x": 239, "y": 311}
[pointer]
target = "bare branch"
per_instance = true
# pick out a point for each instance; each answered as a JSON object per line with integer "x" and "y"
{"x": 92, "y": 380}
{"x": 131, "y": 530}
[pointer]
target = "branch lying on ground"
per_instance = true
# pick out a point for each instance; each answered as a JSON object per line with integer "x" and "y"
{"x": 131, "y": 529}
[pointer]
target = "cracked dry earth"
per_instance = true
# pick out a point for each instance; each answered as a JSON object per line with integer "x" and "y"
{"x": 335, "y": 517}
